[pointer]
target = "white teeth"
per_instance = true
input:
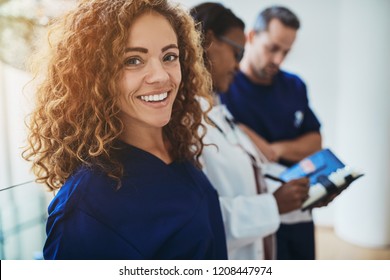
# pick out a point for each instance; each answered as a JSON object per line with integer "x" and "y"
{"x": 154, "y": 97}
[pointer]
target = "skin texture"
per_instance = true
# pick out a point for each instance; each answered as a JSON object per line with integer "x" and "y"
{"x": 151, "y": 70}
{"x": 267, "y": 51}
{"x": 223, "y": 63}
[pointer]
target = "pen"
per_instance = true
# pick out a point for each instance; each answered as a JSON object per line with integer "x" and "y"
{"x": 274, "y": 178}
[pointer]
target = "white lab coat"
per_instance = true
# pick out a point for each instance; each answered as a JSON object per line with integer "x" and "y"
{"x": 248, "y": 217}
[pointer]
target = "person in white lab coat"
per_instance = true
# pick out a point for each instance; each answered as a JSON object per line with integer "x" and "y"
{"x": 232, "y": 162}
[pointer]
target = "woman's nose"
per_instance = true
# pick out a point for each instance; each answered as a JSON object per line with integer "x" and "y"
{"x": 156, "y": 72}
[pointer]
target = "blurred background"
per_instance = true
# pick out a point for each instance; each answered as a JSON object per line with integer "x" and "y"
{"x": 341, "y": 52}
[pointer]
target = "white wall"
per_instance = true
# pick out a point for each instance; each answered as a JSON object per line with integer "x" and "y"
{"x": 363, "y": 135}
{"x": 22, "y": 209}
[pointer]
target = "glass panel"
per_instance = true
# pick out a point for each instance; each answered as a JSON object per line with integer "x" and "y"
{"x": 23, "y": 214}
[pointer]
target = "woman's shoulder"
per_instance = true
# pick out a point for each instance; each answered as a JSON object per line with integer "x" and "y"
{"x": 84, "y": 182}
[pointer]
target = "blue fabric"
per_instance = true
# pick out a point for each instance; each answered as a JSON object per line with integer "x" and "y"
{"x": 161, "y": 212}
{"x": 276, "y": 112}
{"x": 296, "y": 241}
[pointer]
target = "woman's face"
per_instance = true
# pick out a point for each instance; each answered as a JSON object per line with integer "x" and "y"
{"x": 223, "y": 53}
{"x": 151, "y": 73}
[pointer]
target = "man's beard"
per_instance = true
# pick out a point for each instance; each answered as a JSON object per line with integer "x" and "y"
{"x": 267, "y": 73}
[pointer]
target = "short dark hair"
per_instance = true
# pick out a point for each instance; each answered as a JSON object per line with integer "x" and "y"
{"x": 286, "y": 16}
{"x": 215, "y": 17}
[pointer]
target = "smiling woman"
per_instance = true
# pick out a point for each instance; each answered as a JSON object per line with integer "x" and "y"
{"x": 150, "y": 79}
{"x": 110, "y": 113}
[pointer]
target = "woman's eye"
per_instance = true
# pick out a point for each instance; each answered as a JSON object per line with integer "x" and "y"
{"x": 132, "y": 61}
{"x": 171, "y": 57}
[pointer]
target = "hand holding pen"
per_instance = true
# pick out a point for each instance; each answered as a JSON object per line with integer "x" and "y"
{"x": 291, "y": 194}
{"x": 274, "y": 178}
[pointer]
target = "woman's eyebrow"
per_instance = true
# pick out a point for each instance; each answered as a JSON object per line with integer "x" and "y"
{"x": 171, "y": 46}
{"x": 144, "y": 50}
{"x": 136, "y": 49}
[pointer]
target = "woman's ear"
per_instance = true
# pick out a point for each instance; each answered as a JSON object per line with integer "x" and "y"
{"x": 209, "y": 38}
{"x": 250, "y": 36}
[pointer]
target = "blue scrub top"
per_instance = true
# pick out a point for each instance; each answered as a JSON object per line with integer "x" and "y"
{"x": 279, "y": 111}
{"x": 162, "y": 211}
